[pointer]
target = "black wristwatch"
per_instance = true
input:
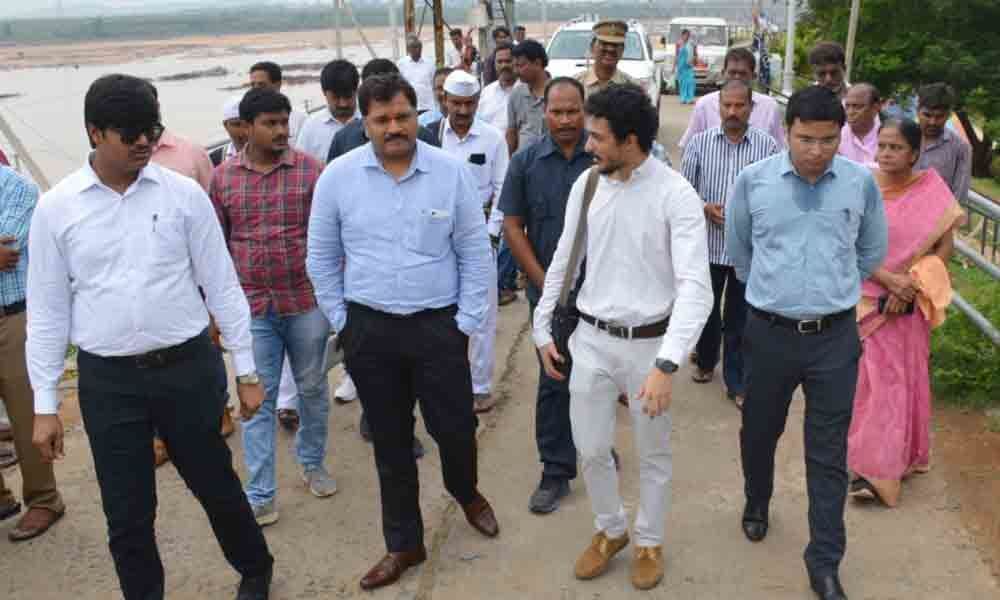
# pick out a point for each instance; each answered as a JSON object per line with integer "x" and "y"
{"x": 667, "y": 366}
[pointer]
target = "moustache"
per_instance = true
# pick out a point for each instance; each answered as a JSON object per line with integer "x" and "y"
{"x": 394, "y": 137}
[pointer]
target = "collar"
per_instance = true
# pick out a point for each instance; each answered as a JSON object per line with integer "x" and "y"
{"x": 332, "y": 119}
{"x": 721, "y": 132}
{"x": 287, "y": 160}
{"x": 786, "y": 167}
{"x": 89, "y": 179}
{"x": 474, "y": 130}
{"x": 873, "y": 132}
{"x": 592, "y": 79}
{"x": 421, "y": 159}
{"x": 946, "y": 138}
{"x": 549, "y": 146}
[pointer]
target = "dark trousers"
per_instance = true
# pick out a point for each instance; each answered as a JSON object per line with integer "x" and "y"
{"x": 121, "y": 404}
{"x": 506, "y": 268}
{"x": 826, "y": 366}
{"x": 553, "y": 433}
{"x": 396, "y": 361}
{"x": 725, "y": 325}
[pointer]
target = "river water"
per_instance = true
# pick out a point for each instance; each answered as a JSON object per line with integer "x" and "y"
{"x": 48, "y": 114}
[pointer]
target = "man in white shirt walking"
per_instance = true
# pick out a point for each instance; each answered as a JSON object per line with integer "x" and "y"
{"x": 419, "y": 72}
{"x": 644, "y": 300}
{"x": 118, "y": 251}
{"x": 493, "y": 100}
{"x": 483, "y": 150}
{"x": 339, "y": 80}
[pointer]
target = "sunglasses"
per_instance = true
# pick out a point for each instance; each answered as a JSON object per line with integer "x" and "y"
{"x": 131, "y": 135}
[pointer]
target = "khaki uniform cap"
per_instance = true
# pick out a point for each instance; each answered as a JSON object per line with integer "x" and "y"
{"x": 612, "y": 32}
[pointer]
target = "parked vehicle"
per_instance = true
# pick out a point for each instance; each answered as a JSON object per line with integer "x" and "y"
{"x": 711, "y": 37}
{"x": 569, "y": 54}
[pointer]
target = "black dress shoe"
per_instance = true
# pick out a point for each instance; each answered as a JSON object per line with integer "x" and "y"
{"x": 546, "y": 497}
{"x": 255, "y": 588}
{"x": 755, "y": 522}
{"x": 828, "y": 587}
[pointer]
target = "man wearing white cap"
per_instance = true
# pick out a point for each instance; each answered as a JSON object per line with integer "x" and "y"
{"x": 235, "y": 128}
{"x": 484, "y": 151}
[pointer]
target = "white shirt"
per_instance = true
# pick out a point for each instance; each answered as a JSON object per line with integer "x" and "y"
{"x": 766, "y": 116}
{"x": 452, "y": 56}
{"x": 420, "y": 74}
{"x": 647, "y": 257}
{"x": 316, "y": 136}
{"x": 493, "y": 104}
{"x": 296, "y": 119}
{"x": 487, "y": 140}
{"x": 118, "y": 275}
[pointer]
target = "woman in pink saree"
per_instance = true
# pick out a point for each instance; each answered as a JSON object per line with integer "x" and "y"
{"x": 890, "y": 431}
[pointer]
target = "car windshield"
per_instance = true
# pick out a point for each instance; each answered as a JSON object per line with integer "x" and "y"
{"x": 575, "y": 45}
{"x": 701, "y": 35}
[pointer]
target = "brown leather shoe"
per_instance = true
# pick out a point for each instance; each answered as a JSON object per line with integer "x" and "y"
{"x": 160, "y": 452}
{"x": 391, "y": 568}
{"x": 480, "y": 515}
{"x": 228, "y": 427}
{"x": 647, "y": 567}
{"x": 595, "y": 559}
{"x": 34, "y": 523}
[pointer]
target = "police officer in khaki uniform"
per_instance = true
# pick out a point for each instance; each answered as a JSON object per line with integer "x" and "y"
{"x": 606, "y": 49}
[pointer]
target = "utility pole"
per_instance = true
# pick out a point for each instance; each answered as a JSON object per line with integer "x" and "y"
{"x": 438, "y": 33}
{"x": 409, "y": 17}
{"x": 852, "y": 33}
{"x": 338, "y": 37}
{"x": 788, "y": 78}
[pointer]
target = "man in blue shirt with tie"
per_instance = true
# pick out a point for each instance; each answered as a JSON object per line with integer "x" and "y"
{"x": 803, "y": 229}
{"x": 400, "y": 259}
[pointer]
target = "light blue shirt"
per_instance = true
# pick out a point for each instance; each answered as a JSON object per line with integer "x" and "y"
{"x": 399, "y": 246}
{"x": 18, "y": 198}
{"x": 429, "y": 117}
{"x": 803, "y": 249}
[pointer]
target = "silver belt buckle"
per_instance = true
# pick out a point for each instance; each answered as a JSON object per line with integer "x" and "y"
{"x": 810, "y": 326}
{"x": 619, "y": 331}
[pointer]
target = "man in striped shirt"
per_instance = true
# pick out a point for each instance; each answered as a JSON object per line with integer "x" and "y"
{"x": 712, "y": 160}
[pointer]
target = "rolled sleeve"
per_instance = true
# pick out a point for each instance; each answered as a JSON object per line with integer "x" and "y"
{"x": 739, "y": 246}
{"x": 873, "y": 236}
{"x": 325, "y": 252}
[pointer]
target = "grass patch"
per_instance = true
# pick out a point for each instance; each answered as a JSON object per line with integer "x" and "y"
{"x": 988, "y": 187}
{"x": 965, "y": 364}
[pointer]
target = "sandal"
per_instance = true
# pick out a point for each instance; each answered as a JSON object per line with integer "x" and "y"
{"x": 700, "y": 376}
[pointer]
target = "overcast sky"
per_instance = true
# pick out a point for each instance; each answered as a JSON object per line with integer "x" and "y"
{"x": 49, "y": 8}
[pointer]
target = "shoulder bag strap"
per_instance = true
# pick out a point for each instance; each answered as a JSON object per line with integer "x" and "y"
{"x": 581, "y": 230}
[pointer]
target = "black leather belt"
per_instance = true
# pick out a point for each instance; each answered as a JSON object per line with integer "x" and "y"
{"x": 806, "y": 326}
{"x": 12, "y": 309}
{"x": 163, "y": 357}
{"x": 652, "y": 330}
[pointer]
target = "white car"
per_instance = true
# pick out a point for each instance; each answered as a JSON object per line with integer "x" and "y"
{"x": 711, "y": 35}
{"x": 569, "y": 54}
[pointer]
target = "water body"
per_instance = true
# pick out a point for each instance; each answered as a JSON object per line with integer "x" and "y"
{"x": 48, "y": 113}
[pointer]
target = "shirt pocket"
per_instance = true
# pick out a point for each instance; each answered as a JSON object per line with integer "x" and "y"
{"x": 841, "y": 225}
{"x": 169, "y": 241}
{"x": 429, "y": 233}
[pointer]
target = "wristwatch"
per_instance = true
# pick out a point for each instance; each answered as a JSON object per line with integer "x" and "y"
{"x": 667, "y": 366}
{"x": 249, "y": 379}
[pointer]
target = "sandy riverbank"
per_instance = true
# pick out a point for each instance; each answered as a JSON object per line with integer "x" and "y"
{"x": 98, "y": 53}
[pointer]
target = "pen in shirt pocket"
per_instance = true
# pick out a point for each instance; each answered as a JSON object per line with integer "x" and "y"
{"x": 155, "y": 216}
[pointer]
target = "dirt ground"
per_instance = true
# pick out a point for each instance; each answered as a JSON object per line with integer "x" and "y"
{"x": 935, "y": 545}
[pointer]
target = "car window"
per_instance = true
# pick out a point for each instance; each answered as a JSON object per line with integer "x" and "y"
{"x": 575, "y": 45}
{"x": 705, "y": 35}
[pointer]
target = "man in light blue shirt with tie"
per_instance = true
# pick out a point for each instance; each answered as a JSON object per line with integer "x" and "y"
{"x": 803, "y": 229}
{"x": 400, "y": 260}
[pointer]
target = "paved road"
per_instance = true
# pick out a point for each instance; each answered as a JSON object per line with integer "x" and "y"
{"x": 323, "y": 546}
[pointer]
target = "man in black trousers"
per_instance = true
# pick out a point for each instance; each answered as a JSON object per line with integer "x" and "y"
{"x": 118, "y": 251}
{"x": 803, "y": 229}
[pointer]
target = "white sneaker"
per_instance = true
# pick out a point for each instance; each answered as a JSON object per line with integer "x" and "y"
{"x": 265, "y": 514}
{"x": 320, "y": 483}
{"x": 345, "y": 392}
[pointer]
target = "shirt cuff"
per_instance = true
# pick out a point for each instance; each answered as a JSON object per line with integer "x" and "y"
{"x": 542, "y": 338}
{"x": 47, "y": 401}
{"x": 671, "y": 351}
{"x": 466, "y": 324}
{"x": 338, "y": 320}
{"x": 243, "y": 362}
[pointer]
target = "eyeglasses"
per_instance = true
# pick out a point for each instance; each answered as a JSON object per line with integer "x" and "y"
{"x": 131, "y": 135}
{"x": 827, "y": 142}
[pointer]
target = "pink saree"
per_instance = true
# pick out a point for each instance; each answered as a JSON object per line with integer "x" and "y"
{"x": 890, "y": 431}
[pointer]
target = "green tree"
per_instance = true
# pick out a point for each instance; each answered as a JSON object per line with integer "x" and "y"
{"x": 903, "y": 44}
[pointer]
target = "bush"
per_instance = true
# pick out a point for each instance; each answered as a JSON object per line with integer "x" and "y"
{"x": 965, "y": 364}
{"x": 995, "y": 168}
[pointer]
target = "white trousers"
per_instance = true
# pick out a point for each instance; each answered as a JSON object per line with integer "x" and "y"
{"x": 288, "y": 393}
{"x": 482, "y": 343}
{"x": 604, "y": 367}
